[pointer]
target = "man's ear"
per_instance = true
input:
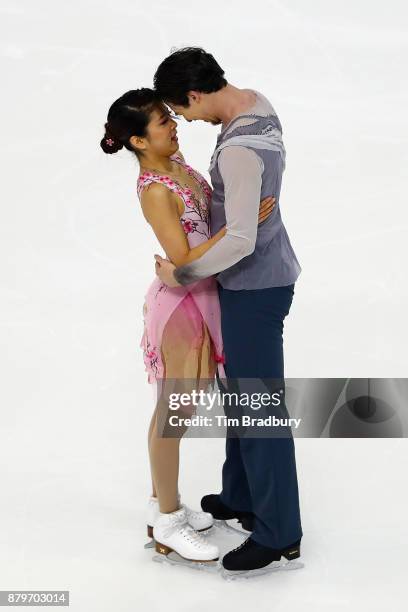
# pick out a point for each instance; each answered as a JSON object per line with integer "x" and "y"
{"x": 194, "y": 96}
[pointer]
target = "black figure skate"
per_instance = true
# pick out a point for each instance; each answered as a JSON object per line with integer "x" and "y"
{"x": 252, "y": 559}
{"x": 221, "y": 514}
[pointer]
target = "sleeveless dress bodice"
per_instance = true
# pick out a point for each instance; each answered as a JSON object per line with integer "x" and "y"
{"x": 161, "y": 300}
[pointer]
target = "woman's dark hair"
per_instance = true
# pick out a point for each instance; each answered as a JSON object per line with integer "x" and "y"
{"x": 187, "y": 69}
{"x": 128, "y": 116}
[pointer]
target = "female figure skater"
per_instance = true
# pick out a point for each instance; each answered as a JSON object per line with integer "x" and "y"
{"x": 182, "y": 326}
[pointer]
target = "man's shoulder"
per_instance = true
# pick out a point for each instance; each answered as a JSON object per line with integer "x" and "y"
{"x": 265, "y": 104}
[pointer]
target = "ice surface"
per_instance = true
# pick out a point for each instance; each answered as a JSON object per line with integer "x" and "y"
{"x": 77, "y": 258}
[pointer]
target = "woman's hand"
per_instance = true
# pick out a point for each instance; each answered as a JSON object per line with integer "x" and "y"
{"x": 266, "y": 208}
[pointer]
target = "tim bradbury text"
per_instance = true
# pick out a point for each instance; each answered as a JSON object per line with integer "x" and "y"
{"x": 223, "y": 421}
{"x": 195, "y": 398}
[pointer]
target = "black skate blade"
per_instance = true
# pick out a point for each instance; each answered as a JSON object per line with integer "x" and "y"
{"x": 174, "y": 559}
{"x": 207, "y": 531}
{"x": 275, "y": 566}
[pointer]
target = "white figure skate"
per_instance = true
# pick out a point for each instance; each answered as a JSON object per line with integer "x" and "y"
{"x": 173, "y": 535}
{"x": 199, "y": 521}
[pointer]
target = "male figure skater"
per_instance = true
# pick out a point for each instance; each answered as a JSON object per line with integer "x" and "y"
{"x": 257, "y": 269}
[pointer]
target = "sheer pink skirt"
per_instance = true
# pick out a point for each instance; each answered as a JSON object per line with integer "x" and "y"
{"x": 188, "y": 361}
{"x": 187, "y": 349}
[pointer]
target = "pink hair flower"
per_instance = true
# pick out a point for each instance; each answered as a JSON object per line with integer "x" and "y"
{"x": 109, "y": 142}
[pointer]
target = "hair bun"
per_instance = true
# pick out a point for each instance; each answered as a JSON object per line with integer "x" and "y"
{"x": 110, "y": 145}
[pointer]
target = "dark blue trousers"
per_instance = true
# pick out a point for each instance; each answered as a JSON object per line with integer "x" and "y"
{"x": 259, "y": 474}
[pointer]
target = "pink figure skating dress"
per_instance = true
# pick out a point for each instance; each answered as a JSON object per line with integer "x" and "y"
{"x": 186, "y": 316}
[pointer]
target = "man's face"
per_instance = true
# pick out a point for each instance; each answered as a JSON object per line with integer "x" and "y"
{"x": 196, "y": 111}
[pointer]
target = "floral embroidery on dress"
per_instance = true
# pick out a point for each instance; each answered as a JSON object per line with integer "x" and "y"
{"x": 196, "y": 215}
{"x": 151, "y": 358}
{"x": 195, "y": 221}
{"x": 188, "y": 225}
{"x": 162, "y": 289}
{"x": 150, "y": 353}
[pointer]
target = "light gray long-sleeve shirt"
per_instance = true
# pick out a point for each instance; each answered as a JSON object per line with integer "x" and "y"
{"x": 249, "y": 256}
{"x": 241, "y": 170}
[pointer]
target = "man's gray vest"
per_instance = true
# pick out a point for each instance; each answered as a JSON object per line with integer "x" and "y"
{"x": 273, "y": 262}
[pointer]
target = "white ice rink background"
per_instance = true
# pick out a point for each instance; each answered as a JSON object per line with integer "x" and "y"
{"x": 77, "y": 258}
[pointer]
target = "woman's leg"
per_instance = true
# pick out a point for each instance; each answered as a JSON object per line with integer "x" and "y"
{"x": 187, "y": 356}
{"x": 206, "y": 371}
{"x": 207, "y": 365}
{"x": 149, "y": 437}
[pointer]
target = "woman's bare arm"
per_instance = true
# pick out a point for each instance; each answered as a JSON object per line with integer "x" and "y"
{"x": 160, "y": 211}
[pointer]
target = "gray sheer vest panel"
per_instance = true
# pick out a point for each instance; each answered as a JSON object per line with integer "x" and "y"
{"x": 273, "y": 262}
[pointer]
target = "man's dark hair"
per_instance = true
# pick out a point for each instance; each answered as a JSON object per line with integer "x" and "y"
{"x": 185, "y": 70}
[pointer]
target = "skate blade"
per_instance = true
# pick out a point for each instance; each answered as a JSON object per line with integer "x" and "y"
{"x": 223, "y": 526}
{"x": 174, "y": 559}
{"x": 207, "y": 531}
{"x": 275, "y": 566}
{"x": 150, "y": 544}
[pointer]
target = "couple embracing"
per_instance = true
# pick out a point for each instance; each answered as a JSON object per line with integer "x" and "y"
{"x": 219, "y": 299}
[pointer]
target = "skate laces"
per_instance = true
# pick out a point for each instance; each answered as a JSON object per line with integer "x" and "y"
{"x": 193, "y": 537}
{"x": 192, "y": 513}
{"x": 180, "y": 525}
{"x": 241, "y": 545}
{"x": 175, "y": 523}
